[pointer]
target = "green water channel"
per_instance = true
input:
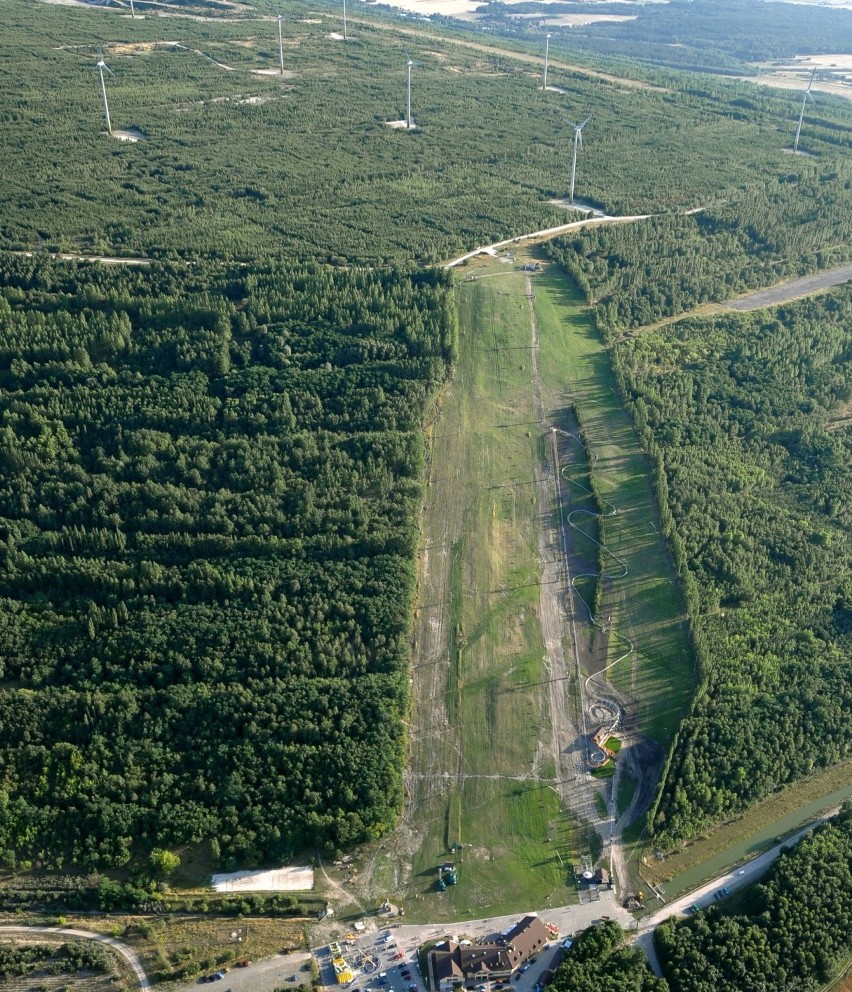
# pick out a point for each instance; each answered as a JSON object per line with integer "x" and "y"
{"x": 750, "y": 846}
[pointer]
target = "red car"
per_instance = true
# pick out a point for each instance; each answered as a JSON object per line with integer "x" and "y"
{"x": 243, "y": 964}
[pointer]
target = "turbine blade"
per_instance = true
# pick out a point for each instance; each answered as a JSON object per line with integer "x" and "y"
{"x": 585, "y": 122}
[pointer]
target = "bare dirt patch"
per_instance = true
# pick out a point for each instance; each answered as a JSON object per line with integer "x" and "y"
{"x": 834, "y": 73}
{"x": 579, "y": 20}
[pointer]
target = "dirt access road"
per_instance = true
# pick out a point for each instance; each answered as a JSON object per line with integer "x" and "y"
{"x": 525, "y": 58}
{"x": 785, "y": 292}
{"x": 544, "y": 235}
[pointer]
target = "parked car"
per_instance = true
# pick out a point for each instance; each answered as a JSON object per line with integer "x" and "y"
{"x": 218, "y": 976}
{"x": 243, "y": 964}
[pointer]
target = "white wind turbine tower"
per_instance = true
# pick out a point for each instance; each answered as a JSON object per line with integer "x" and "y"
{"x": 578, "y": 142}
{"x": 546, "y": 54}
{"x": 344, "y": 20}
{"x": 100, "y": 67}
{"x": 132, "y": 11}
{"x": 807, "y": 96}
{"x": 280, "y": 44}
{"x": 408, "y": 121}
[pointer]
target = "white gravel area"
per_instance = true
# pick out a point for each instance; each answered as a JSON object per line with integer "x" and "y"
{"x": 277, "y": 880}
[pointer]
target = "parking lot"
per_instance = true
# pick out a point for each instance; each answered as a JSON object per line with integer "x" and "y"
{"x": 380, "y": 962}
{"x": 385, "y": 960}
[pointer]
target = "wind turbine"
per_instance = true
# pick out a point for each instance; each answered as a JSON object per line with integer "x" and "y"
{"x": 546, "y": 53}
{"x": 100, "y": 67}
{"x": 280, "y": 43}
{"x": 344, "y": 20}
{"x": 408, "y": 123}
{"x": 578, "y": 142}
{"x": 807, "y": 96}
{"x": 132, "y": 11}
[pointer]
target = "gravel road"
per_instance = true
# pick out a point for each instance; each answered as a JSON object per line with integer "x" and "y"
{"x": 792, "y": 290}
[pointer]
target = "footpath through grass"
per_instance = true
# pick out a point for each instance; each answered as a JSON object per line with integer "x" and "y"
{"x": 644, "y": 606}
{"x": 484, "y": 781}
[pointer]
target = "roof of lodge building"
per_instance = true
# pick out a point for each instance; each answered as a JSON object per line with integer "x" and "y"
{"x": 506, "y": 954}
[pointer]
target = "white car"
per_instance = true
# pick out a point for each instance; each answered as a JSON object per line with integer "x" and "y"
{"x": 741, "y": 871}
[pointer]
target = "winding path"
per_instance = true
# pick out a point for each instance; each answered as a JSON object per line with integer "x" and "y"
{"x": 611, "y": 511}
{"x": 122, "y": 949}
{"x": 548, "y": 232}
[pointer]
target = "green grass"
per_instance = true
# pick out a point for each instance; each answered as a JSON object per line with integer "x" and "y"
{"x": 645, "y": 607}
{"x": 626, "y": 788}
{"x": 613, "y": 744}
{"x": 483, "y": 508}
{"x": 606, "y": 770}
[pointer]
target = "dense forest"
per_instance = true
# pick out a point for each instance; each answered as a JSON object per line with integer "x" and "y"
{"x": 235, "y": 162}
{"x": 598, "y": 961}
{"x": 790, "y": 932}
{"x": 701, "y": 35}
{"x": 636, "y": 274}
{"x": 746, "y": 420}
{"x": 208, "y": 499}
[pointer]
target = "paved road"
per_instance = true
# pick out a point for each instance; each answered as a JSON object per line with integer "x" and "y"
{"x": 122, "y": 949}
{"x": 792, "y": 290}
{"x": 734, "y": 880}
{"x": 705, "y": 896}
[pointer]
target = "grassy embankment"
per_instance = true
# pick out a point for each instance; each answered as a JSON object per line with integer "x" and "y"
{"x": 644, "y": 606}
{"x": 495, "y": 790}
